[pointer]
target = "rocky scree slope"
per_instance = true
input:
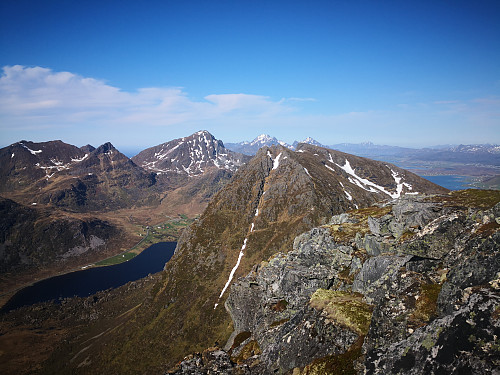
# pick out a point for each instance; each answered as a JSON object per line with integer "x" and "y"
{"x": 269, "y": 201}
{"x": 425, "y": 298}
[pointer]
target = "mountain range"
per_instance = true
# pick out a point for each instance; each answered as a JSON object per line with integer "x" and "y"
{"x": 251, "y": 148}
{"x": 303, "y": 259}
{"x": 59, "y": 190}
{"x": 445, "y": 159}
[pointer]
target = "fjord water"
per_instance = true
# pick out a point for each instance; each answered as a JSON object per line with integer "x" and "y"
{"x": 453, "y": 182}
{"x": 86, "y": 282}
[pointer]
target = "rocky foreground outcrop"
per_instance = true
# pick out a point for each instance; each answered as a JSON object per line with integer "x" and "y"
{"x": 408, "y": 287}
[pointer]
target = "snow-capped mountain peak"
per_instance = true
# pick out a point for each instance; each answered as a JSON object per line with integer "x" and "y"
{"x": 191, "y": 155}
{"x": 264, "y": 139}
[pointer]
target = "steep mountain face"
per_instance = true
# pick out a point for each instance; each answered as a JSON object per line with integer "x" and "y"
{"x": 272, "y": 199}
{"x": 31, "y": 239}
{"x": 76, "y": 179}
{"x": 189, "y": 156}
{"x": 423, "y": 299}
{"x": 190, "y": 170}
{"x": 24, "y": 163}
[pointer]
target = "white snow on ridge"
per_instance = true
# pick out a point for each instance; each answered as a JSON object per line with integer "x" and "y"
{"x": 12, "y": 155}
{"x": 276, "y": 162}
{"x": 81, "y": 159}
{"x": 307, "y": 172}
{"x": 30, "y": 150}
{"x": 367, "y": 184}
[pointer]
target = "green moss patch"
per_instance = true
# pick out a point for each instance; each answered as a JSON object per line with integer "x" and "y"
{"x": 249, "y": 350}
{"x": 240, "y": 337}
{"x": 346, "y": 232}
{"x": 426, "y": 305}
{"x": 345, "y": 308}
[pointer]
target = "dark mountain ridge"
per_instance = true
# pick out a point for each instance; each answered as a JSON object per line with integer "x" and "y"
{"x": 77, "y": 179}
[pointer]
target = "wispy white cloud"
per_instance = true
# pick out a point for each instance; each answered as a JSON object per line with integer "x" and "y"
{"x": 62, "y": 97}
{"x": 301, "y": 99}
{"x": 40, "y": 104}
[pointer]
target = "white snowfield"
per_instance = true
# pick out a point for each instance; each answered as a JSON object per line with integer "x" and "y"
{"x": 30, "y": 150}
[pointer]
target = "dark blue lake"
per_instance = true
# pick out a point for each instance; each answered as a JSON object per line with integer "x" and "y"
{"x": 451, "y": 182}
{"x": 86, "y": 282}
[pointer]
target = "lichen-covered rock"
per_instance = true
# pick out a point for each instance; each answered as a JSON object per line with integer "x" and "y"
{"x": 415, "y": 212}
{"x": 415, "y": 291}
{"x": 211, "y": 361}
{"x": 438, "y": 237}
{"x": 371, "y": 281}
{"x": 309, "y": 334}
{"x": 478, "y": 264}
{"x": 274, "y": 291}
{"x": 466, "y": 341}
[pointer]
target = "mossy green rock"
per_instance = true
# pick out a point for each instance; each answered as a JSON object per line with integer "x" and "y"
{"x": 346, "y": 309}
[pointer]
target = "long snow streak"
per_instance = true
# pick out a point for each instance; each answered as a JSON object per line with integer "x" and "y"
{"x": 30, "y": 150}
{"x": 234, "y": 269}
{"x": 276, "y": 162}
{"x": 349, "y": 196}
{"x": 231, "y": 275}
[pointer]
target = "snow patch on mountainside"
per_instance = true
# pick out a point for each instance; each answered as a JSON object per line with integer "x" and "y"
{"x": 369, "y": 185}
{"x": 30, "y": 150}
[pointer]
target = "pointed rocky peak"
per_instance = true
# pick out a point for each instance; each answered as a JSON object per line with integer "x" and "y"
{"x": 104, "y": 148}
{"x": 191, "y": 156}
{"x": 87, "y": 149}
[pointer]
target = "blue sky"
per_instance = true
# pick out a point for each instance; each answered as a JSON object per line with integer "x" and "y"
{"x": 139, "y": 73}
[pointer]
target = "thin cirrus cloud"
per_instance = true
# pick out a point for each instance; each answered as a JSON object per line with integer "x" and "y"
{"x": 48, "y": 97}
